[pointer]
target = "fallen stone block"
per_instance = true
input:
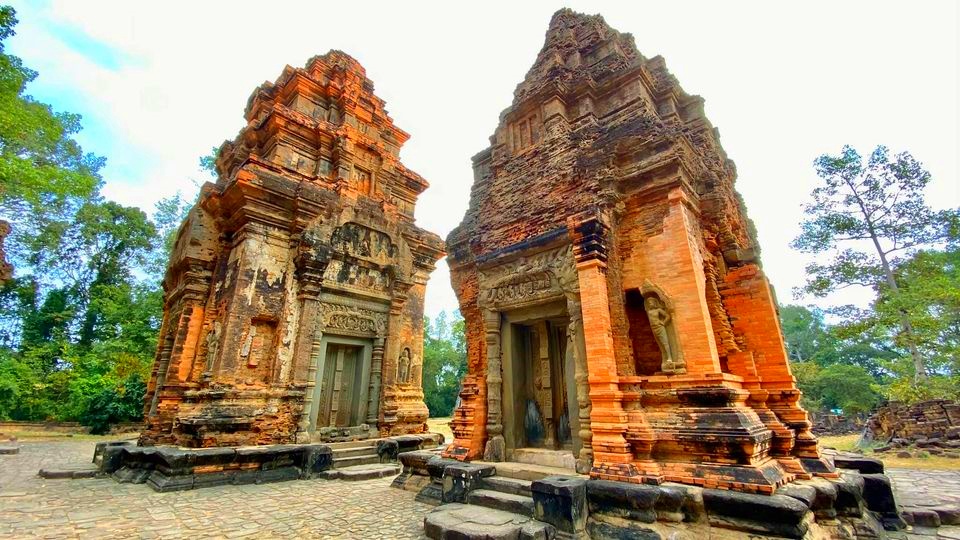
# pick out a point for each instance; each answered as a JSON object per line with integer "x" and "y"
{"x": 362, "y": 472}
{"x": 562, "y": 502}
{"x": 862, "y": 464}
{"x": 631, "y": 501}
{"x": 468, "y": 522}
{"x": 949, "y": 515}
{"x": 921, "y": 517}
{"x": 765, "y": 514}
{"x": 460, "y": 478}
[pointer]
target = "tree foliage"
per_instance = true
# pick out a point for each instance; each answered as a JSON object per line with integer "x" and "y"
{"x": 834, "y": 373}
{"x": 79, "y": 320}
{"x": 444, "y": 362}
{"x": 865, "y": 220}
{"x": 43, "y": 171}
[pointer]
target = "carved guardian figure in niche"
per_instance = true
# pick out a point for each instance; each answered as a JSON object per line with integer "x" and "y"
{"x": 213, "y": 345}
{"x": 661, "y": 323}
{"x": 403, "y": 367}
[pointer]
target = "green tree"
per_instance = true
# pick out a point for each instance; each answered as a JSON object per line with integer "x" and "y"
{"x": 850, "y": 389}
{"x": 444, "y": 363}
{"x": 168, "y": 215}
{"x": 806, "y": 335}
{"x": 43, "y": 171}
{"x": 209, "y": 162}
{"x": 869, "y": 216}
{"x": 810, "y": 339}
{"x": 78, "y": 326}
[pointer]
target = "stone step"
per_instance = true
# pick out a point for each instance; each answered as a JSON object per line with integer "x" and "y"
{"x": 84, "y": 470}
{"x": 362, "y": 472}
{"x": 527, "y": 471}
{"x": 342, "y": 462}
{"x": 508, "y": 502}
{"x": 366, "y": 443}
{"x": 561, "y": 459}
{"x": 470, "y": 522}
{"x": 504, "y": 484}
{"x": 353, "y": 452}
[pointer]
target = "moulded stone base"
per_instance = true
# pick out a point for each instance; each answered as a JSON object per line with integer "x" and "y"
{"x": 764, "y": 479}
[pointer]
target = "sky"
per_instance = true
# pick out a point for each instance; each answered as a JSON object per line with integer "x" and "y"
{"x": 159, "y": 84}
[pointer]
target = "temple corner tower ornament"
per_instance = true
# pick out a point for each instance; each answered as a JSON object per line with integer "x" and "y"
{"x": 297, "y": 281}
{"x": 616, "y": 311}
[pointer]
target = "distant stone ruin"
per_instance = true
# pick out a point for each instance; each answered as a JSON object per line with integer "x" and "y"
{"x": 936, "y": 420}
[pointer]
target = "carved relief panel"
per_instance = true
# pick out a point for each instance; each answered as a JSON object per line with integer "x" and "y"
{"x": 354, "y": 275}
{"x": 363, "y": 242}
{"x": 351, "y": 320}
{"x": 529, "y": 280}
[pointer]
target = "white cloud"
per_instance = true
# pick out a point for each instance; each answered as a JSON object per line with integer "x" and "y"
{"x": 783, "y": 85}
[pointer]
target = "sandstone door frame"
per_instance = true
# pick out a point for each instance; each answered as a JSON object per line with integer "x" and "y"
{"x": 366, "y": 356}
{"x": 552, "y": 311}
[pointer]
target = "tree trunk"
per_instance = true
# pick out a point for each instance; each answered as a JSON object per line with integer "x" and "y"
{"x": 919, "y": 369}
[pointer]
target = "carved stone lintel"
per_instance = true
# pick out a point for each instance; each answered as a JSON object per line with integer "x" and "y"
{"x": 352, "y": 320}
{"x": 528, "y": 280}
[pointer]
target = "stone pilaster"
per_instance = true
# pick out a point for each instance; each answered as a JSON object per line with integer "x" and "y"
{"x": 495, "y": 449}
{"x": 376, "y": 367}
{"x": 575, "y": 344}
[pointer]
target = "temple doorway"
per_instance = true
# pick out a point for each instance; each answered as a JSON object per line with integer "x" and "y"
{"x": 343, "y": 377}
{"x": 539, "y": 390}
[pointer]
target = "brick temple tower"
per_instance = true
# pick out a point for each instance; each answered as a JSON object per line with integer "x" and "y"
{"x": 618, "y": 319}
{"x": 294, "y": 297}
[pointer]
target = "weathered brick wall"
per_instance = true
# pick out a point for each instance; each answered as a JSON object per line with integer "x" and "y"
{"x": 934, "y": 419}
{"x": 603, "y": 155}
{"x": 308, "y": 235}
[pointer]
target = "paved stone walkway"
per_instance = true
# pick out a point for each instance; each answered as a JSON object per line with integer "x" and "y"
{"x": 929, "y": 490}
{"x": 925, "y": 488}
{"x": 31, "y": 507}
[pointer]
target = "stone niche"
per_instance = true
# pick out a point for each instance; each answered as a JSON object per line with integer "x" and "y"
{"x": 616, "y": 311}
{"x": 295, "y": 288}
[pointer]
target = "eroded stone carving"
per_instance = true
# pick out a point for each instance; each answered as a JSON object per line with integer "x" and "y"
{"x": 661, "y": 323}
{"x": 352, "y": 319}
{"x": 403, "y": 366}
{"x": 360, "y": 241}
{"x": 354, "y": 275}
{"x": 529, "y": 279}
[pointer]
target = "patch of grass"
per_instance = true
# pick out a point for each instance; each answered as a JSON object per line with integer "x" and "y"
{"x": 920, "y": 460}
{"x": 41, "y": 436}
{"x": 846, "y": 443}
{"x": 442, "y": 426}
{"x": 939, "y": 463}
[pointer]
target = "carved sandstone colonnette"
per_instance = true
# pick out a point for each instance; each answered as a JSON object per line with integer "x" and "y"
{"x": 614, "y": 303}
{"x": 296, "y": 284}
